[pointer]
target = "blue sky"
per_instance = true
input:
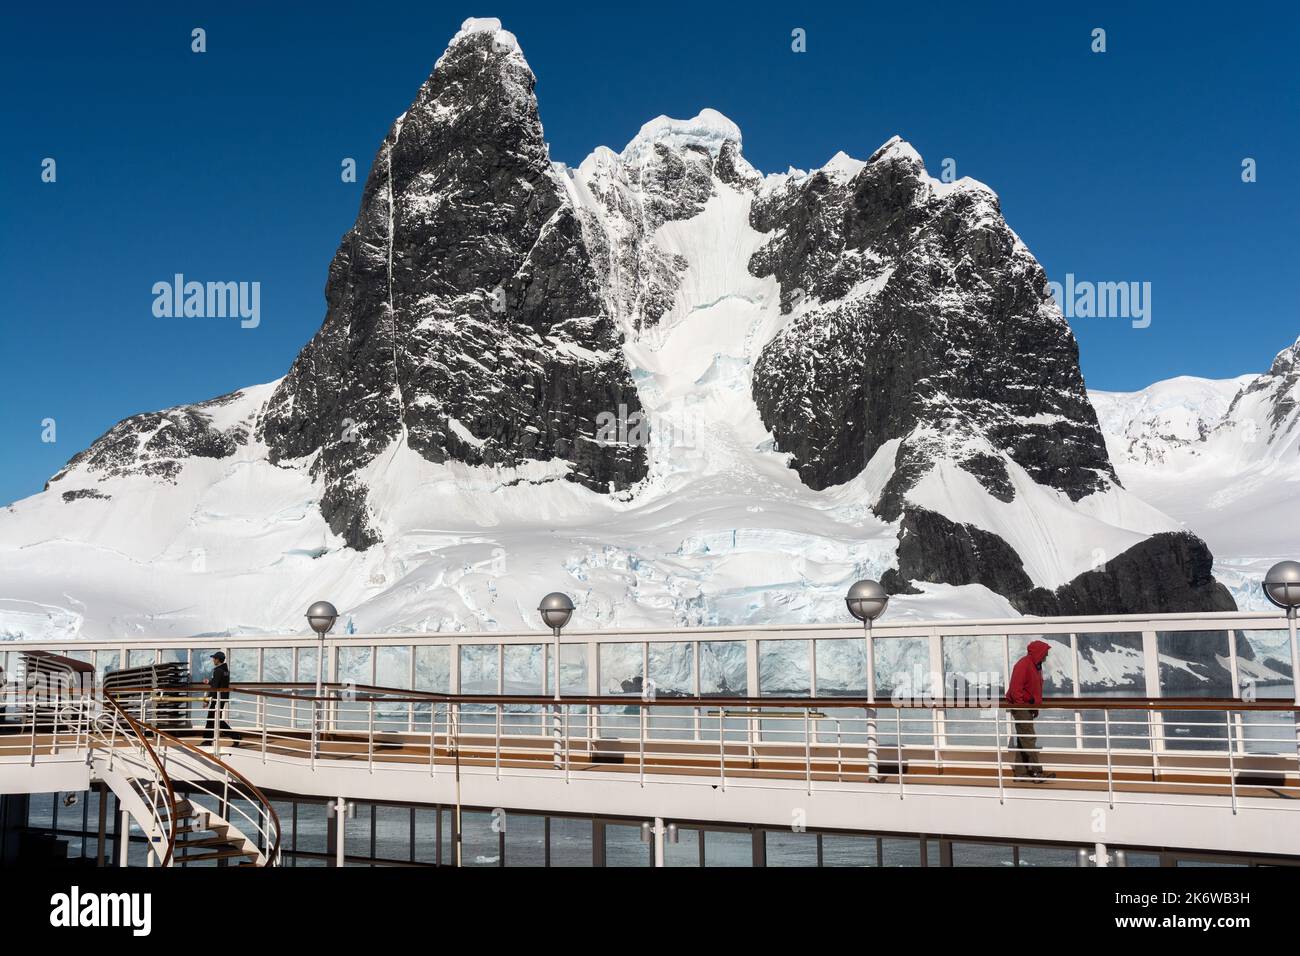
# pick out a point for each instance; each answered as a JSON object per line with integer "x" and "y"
{"x": 1122, "y": 166}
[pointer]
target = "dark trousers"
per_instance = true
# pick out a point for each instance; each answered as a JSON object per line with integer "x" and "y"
{"x": 1026, "y": 744}
{"x": 213, "y": 721}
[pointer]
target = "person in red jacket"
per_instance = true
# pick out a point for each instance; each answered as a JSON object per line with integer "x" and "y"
{"x": 1025, "y": 694}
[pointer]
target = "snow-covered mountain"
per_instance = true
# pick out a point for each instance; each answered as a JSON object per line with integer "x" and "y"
{"x": 1223, "y": 457}
{"x": 683, "y": 391}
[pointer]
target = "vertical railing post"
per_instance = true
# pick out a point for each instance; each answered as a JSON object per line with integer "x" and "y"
{"x": 498, "y": 741}
{"x": 722, "y": 746}
{"x": 997, "y": 745}
{"x": 898, "y": 739}
{"x": 1232, "y": 769}
{"x": 641, "y": 720}
{"x": 370, "y": 735}
{"x": 1156, "y": 731}
{"x": 433, "y": 737}
{"x": 873, "y": 741}
{"x": 315, "y": 729}
{"x": 1110, "y": 774}
{"x": 839, "y": 751}
{"x": 807, "y": 749}
{"x": 31, "y": 700}
{"x": 1295, "y": 677}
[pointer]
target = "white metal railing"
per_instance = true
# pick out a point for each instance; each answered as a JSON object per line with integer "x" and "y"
{"x": 232, "y": 798}
{"x": 1220, "y": 750}
{"x": 729, "y": 660}
{"x": 145, "y": 758}
{"x": 128, "y": 754}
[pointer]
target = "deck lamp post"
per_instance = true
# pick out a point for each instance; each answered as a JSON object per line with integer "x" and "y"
{"x": 866, "y": 601}
{"x": 321, "y": 616}
{"x": 1282, "y": 588}
{"x": 556, "y": 609}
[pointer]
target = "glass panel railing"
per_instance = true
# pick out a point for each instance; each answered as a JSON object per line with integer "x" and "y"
{"x": 480, "y": 673}
{"x": 1112, "y": 665}
{"x": 1264, "y": 672}
{"x": 621, "y": 674}
{"x": 1194, "y": 664}
{"x": 784, "y": 670}
{"x": 724, "y": 672}
{"x": 672, "y": 674}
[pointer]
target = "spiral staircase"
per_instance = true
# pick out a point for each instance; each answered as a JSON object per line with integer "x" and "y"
{"x": 193, "y": 807}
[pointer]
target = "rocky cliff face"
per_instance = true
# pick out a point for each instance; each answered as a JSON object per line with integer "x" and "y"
{"x": 920, "y": 316}
{"x": 464, "y": 313}
{"x": 814, "y": 376}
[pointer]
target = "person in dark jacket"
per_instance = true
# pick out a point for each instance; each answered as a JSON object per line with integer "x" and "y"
{"x": 219, "y": 693}
{"x": 1024, "y": 694}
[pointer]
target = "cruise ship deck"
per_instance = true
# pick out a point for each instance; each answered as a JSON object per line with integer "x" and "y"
{"x": 759, "y": 745}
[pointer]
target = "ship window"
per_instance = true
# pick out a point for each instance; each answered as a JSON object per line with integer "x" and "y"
{"x": 790, "y": 848}
{"x": 842, "y": 849}
{"x": 980, "y": 854}
{"x": 480, "y": 839}
{"x": 1047, "y": 856}
{"x": 623, "y": 846}
{"x": 686, "y": 851}
{"x": 900, "y": 851}
{"x": 728, "y": 848}
{"x": 570, "y": 841}
{"x": 393, "y": 833}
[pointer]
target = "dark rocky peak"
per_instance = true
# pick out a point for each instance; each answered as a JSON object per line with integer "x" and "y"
{"x": 1172, "y": 571}
{"x": 464, "y": 314}
{"x": 1280, "y": 389}
{"x": 920, "y": 316}
{"x": 674, "y": 183}
{"x": 157, "y": 444}
{"x": 732, "y": 169}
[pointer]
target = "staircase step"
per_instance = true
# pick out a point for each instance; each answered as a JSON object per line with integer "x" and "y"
{"x": 218, "y": 840}
{"x": 195, "y": 828}
{"x": 227, "y": 854}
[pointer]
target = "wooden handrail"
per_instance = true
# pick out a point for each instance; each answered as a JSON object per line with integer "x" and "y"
{"x": 273, "y": 850}
{"x": 138, "y": 730}
{"x": 404, "y": 696}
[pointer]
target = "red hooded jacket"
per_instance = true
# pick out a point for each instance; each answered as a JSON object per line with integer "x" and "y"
{"x": 1026, "y": 687}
